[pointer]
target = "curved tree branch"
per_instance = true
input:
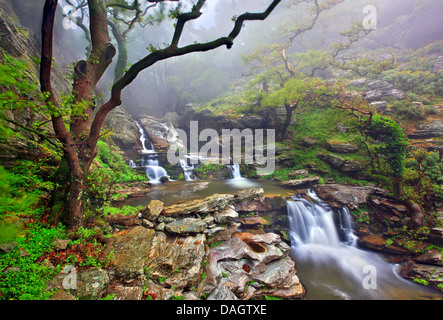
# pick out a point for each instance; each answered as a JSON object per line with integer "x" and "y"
{"x": 169, "y": 52}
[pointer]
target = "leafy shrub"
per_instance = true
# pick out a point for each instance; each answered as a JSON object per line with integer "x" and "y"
{"x": 22, "y": 276}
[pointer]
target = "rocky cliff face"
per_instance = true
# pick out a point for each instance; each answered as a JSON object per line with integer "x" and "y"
{"x": 23, "y": 44}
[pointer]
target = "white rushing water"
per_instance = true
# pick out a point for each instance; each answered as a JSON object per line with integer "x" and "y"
{"x": 143, "y": 139}
{"x": 327, "y": 256}
{"x": 149, "y": 159}
{"x": 237, "y": 180}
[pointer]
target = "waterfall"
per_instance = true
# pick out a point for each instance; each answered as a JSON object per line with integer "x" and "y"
{"x": 149, "y": 159}
{"x": 188, "y": 169}
{"x": 235, "y": 170}
{"x": 311, "y": 224}
{"x": 143, "y": 139}
{"x": 345, "y": 226}
{"x": 326, "y": 253}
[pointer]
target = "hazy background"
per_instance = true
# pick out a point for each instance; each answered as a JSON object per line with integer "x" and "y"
{"x": 200, "y": 77}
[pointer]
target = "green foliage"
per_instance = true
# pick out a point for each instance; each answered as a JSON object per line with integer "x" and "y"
{"x": 22, "y": 276}
{"x": 16, "y": 83}
{"x": 424, "y": 175}
{"x": 406, "y": 110}
{"x": 125, "y": 210}
{"x": 111, "y": 169}
{"x": 13, "y": 198}
{"x": 393, "y": 143}
{"x": 295, "y": 91}
{"x": 205, "y": 169}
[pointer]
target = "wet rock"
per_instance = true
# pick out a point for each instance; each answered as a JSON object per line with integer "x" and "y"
{"x": 222, "y": 293}
{"x": 226, "y": 216}
{"x": 342, "y": 147}
{"x": 300, "y": 183}
{"x": 186, "y": 226}
{"x": 427, "y": 131}
{"x": 124, "y": 130}
{"x": 134, "y": 189}
{"x": 252, "y": 222}
{"x": 162, "y": 134}
{"x": 222, "y": 232}
{"x": 263, "y": 204}
{"x": 377, "y": 242}
{"x": 251, "y": 265}
{"x": 91, "y": 283}
{"x": 127, "y": 293}
{"x": 130, "y": 251}
{"x": 152, "y": 210}
{"x": 432, "y": 257}
{"x": 214, "y": 203}
{"x": 435, "y": 235}
{"x": 294, "y": 174}
{"x": 341, "y": 164}
{"x": 432, "y": 274}
{"x": 176, "y": 260}
{"x": 351, "y": 196}
{"x": 249, "y": 193}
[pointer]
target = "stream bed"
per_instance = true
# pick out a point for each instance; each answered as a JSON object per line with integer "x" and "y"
{"x": 328, "y": 267}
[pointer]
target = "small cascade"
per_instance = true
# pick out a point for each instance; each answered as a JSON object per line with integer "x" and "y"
{"x": 143, "y": 139}
{"x": 149, "y": 159}
{"x": 235, "y": 171}
{"x": 345, "y": 226}
{"x": 188, "y": 169}
{"x": 237, "y": 180}
{"x": 326, "y": 253}
{"x": 311, "y": 224}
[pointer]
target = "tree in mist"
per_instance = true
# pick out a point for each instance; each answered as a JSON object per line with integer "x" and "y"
{"x": 281, "y": 76}
{"x": 80, "y": 133}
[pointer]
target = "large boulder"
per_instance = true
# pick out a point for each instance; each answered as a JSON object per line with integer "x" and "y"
{"x": 251, "y": 265}
{"x": 431, "y": 274}
{"x": 427, "y": 131}
{"x": 300, "y": 183}
{"x": 161, "y": 134}
{"x": 214, "y": 203}
{"x": 266, "y": 203}
{"x": 91, "y": 283}
{"x": 130, "y": 251}
{"x": 176, "y": 261}
{"x": 341, "y": 164}
{"x": 124, "y": 130}
{"x": 341, "y": 147}
{"x": 339, "y": 195}
{"x": 152, "y": 210}
{"x": 186, "y": 226}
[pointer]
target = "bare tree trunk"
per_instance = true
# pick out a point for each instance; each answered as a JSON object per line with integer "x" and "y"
{"x": 287, "y": 122}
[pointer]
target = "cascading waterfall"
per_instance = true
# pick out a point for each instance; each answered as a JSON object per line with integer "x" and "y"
{"x": 335, "y": 263}
{"x": 237, "y": 180}
{"x": 149, "y": 159}
{"x": 235, "y": 171}
{"x": 143, "y": 139}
